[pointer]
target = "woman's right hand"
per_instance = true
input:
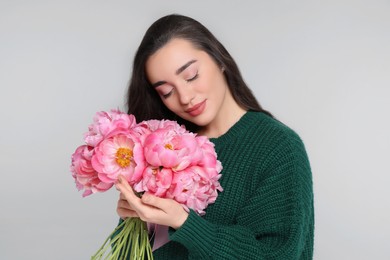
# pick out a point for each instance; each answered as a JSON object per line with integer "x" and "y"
{"x": 124, "y": 209}
{"x": 149, "y": 208}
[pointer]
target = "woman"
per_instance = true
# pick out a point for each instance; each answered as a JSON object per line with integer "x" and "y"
{"x": 182, "y": 72}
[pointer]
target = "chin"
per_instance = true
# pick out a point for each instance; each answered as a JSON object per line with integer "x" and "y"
{"x": 201, "y": 121}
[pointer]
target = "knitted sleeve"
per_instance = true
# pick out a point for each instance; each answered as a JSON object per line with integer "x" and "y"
{"x": 276, "y": 222}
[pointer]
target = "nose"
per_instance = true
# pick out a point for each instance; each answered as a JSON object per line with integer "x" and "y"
{"x": 186, "y": 94}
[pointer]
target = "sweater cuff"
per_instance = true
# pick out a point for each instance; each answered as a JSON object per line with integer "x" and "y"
{"x": 195, "y": 234}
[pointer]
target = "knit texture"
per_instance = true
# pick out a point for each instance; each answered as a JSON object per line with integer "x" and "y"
{"x": 266, "y": 208}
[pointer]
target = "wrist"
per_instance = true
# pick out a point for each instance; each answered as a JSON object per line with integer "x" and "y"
{"x": 180, "y": 220}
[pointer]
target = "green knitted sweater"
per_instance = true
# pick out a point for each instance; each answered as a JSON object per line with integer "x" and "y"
{"x": 266, "y": 208}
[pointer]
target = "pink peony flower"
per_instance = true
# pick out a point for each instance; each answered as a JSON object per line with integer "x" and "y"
{"x": 153, "y": 125}
{"x": 147, "y": 127}
{"x": 193, "y": 188}
{"x": 209, "y": 160}
{"x": 166, "y": 148}
{"x": 84, "y": 174}
{"x": 156, "y": 156}
{"x": 156, "y": 181}
{"x": 107, "y": 124}
{"x": 119, "y": 155}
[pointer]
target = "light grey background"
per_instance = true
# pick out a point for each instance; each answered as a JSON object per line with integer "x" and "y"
{"x": 322, "y": 67}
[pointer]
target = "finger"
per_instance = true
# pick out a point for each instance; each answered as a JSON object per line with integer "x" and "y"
{"x": 155, "y": 201}
{"x": 128, "y": 193}
{"x": 124, "y": 187}
{"x": 125, "y": 213}
{"x": 122, "y": 182}
{"x": 124, "y": 204}
{"x": 174, "y": 214}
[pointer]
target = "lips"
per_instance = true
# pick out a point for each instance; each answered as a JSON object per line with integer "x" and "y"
{"x": 197, "y": 109}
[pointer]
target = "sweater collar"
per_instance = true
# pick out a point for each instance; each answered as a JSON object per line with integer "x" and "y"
{"x": 237, "y": 129}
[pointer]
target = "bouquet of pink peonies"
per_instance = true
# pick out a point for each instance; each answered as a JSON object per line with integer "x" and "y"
{"x": 156, "y": 156}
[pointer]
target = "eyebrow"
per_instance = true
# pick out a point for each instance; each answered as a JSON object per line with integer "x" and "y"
{"x": 182, "y": 68}
{"x": 178, "y": 71}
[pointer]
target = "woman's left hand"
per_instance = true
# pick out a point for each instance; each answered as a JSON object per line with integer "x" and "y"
{"x": 153, "y": 209}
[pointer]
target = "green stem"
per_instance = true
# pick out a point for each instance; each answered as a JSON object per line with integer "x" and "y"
{"x": 129, "y": 240}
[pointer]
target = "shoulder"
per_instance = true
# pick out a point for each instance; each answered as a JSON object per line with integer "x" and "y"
{"x": 279, "y": 142}
{"x": 269, "y": 129}
{"x": 259, "y": 138}
{"x": 282, "y": 155}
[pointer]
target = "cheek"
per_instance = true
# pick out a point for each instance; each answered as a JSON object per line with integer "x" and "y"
{"x": 211, "y": 85}
{"x": 170, "y": 103}
{"x": 203, "y": 85}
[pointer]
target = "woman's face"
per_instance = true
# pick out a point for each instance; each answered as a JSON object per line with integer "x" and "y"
{"x": 189, "y": 82}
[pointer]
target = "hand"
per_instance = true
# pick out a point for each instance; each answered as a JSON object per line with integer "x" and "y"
{"x": 124, "y": 209}
{"x": 149, "y": 208}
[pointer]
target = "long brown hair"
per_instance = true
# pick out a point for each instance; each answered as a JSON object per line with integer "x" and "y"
{"x": 142, "y": 99}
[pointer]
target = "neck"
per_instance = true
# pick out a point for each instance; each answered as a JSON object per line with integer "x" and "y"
{"x": 223, "y": 123}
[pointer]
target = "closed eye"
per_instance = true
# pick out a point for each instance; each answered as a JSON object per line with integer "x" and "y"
{"x": 167, "y": 94}
{"x": 193, "y": 78}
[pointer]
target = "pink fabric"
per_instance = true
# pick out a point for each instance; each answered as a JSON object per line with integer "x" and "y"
{"x": 160, "y": 234}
